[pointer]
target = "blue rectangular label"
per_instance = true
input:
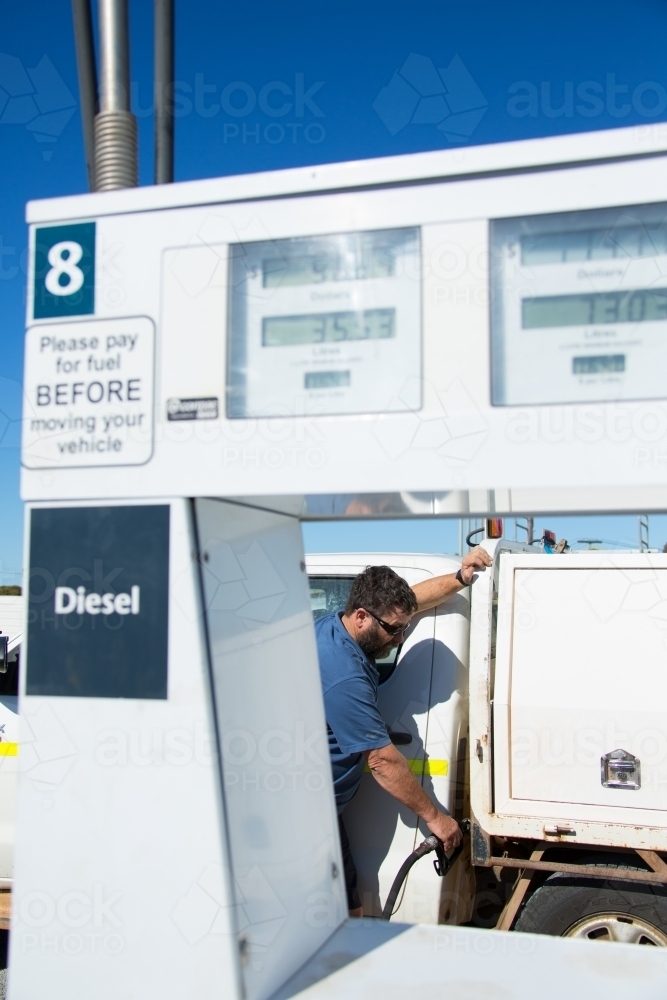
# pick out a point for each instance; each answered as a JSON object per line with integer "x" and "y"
{"x": 99, "y": 602}
{"x": 64, "y": 271}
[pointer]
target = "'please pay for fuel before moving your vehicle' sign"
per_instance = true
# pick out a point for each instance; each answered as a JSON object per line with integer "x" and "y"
{"x": 89, "y": 389}
{"x": 88, "y": 383}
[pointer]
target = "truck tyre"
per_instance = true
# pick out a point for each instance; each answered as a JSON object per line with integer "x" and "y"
{"x": 610, "y": 910}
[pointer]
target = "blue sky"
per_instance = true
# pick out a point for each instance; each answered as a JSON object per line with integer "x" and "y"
{"x": 537, "y": 69}
{"x": 442, "y": 535}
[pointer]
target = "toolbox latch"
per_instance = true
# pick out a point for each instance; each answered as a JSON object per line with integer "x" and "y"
{"x": 619, "y": 769}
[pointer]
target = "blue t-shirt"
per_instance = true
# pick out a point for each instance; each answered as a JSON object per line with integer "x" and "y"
{"x": 349, "y": 686}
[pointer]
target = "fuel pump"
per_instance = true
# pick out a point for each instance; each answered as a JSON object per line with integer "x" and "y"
{"x": 266, "y": 349}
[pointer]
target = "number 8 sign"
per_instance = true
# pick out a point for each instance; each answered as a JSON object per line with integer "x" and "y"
{"x": 64, "y": 271}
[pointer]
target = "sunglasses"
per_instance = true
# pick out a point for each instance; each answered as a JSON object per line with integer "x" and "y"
{"x": 389, "y": 629}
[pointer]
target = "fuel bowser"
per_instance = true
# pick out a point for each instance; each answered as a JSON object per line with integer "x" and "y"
{"x": 468, "y": 333}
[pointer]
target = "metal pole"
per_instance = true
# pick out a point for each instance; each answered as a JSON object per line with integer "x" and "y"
{"x": 164, "y": 91}
{"x": 115, "y": 56}
{"x": 87, "y": 72}
{"x": 115, "y": 125}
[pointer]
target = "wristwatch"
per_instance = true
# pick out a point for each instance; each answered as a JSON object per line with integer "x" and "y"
{"x": 459, "y": 577}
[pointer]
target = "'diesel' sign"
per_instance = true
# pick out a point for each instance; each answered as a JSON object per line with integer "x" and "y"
{"x": 98, "y": 617}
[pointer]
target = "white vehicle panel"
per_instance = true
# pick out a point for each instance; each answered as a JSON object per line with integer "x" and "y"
{"x": 579, "y": 674}
{"x": 11, "y": 617}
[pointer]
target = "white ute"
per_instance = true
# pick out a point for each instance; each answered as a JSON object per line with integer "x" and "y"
{"x": 534, "y": 703}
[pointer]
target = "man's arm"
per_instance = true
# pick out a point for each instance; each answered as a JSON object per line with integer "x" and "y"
{"x": 392, "y": 772}
{"x": 433, "y": 592}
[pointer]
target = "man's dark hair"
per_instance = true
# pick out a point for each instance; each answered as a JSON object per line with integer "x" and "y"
{"x": 381, "y": 590}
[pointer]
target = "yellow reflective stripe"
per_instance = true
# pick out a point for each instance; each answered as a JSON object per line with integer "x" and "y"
{"x": 432, "y": 766}
{"x": 9, "y": 749}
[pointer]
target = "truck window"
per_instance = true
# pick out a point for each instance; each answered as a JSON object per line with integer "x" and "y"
{"x": 330, "y": 593}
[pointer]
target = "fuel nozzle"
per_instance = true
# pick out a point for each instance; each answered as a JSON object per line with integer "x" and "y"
{"x": 442, "y": 863}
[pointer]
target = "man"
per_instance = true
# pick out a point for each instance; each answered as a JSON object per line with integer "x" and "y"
{"x": 376, "y": 615}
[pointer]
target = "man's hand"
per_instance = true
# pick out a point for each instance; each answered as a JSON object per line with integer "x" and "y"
{"x": 476, "y": 559}
{"x": 447, "y": 829}
{"x": 431, "y": 593}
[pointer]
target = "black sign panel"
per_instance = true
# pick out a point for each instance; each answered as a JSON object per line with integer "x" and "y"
{"x": 98, "y": 602}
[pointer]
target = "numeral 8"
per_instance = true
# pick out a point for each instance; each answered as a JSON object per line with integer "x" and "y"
{"x": 64, "y": 265}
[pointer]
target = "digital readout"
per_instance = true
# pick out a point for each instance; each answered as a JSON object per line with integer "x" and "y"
{"x": 642, "y": 305}
{"x": 325, "y": 380}
{"x": 598, "y": 365}
{"x": 342, "y": 257}
{"x": 594, "y": 244}
{"x": 325, "y": 328}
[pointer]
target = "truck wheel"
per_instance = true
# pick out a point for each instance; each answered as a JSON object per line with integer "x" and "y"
{"x": 613, "y": 910}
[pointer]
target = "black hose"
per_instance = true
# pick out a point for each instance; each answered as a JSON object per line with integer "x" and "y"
{"x": 428, "y": 845}
{"x": 442, "y": 865}
{"x": 475, "y": 531}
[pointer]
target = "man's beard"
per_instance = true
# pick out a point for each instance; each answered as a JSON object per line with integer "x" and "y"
{"x": 374, "y": 644}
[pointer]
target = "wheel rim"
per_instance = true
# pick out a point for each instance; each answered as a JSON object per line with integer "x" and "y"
{"x": 623, "y": 927}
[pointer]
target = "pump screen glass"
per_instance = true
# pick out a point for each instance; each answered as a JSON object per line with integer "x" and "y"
{"x": 325, "y": 325}
{"x": 579, "y": 306}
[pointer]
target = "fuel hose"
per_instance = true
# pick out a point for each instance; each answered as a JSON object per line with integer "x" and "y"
{"x": 442, "y": 864}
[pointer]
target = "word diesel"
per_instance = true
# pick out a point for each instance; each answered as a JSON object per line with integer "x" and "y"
{"x": 68, "y": 600}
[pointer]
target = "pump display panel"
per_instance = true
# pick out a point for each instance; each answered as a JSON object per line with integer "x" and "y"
{"x": 325, "y": 325}
{"x": 579, "y": 306}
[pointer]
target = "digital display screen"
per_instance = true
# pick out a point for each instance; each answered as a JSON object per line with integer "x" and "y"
{"x": 579, "y": 306}
{"x": 325, "y": 380}
{"x": 325, "y": 323}
{"x": 640, "y": 305}
{"x": 326, "y": 328}
{"x": 600, "y": 365}
{"x": 617, "y": 242}
{"x": 341, "y": 257}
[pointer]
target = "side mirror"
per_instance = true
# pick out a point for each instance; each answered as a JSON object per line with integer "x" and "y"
{"x": 4, "y": 655}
